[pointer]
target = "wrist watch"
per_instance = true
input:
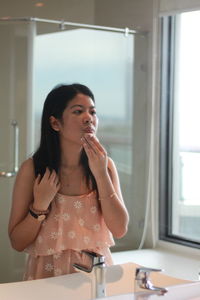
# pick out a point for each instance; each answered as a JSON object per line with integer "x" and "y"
{"x": 39, "y": 217}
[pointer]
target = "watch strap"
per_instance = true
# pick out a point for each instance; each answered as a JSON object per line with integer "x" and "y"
{"x": 38, "y": 212}
{"x": 39, "y": 217}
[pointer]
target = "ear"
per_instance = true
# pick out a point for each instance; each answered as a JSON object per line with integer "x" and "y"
{"x": 54, "y": 123}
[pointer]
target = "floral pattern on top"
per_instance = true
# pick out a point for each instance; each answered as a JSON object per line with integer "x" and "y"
{"x": 66, "y": 217}
{"x": 77, "y": 204}
{"x": 96, "y": 227}
{"x": 81, "y": 222}
{"x": 50, "y": 251}
{"x": 54, "y": 235}
{"x": 60, "y": 198}
{"x": 93, "y": 209}
{"x": 71, "y": 234}
{"x": 58, "y": 272}
{"x": 57, "y": 255}
{"x": 60, "y": 263}
{"x": 86, "y": 239}
{"x": 49, "y": 267}
{"x": 74, "y": 222}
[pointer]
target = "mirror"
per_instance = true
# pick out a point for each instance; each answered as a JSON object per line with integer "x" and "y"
{"x": 108, "y": 71}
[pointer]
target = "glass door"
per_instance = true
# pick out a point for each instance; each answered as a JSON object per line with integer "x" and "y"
{"x": 15, "y": 94}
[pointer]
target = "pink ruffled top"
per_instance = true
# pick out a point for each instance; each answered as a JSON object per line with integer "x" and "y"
{"x": 74, "y": 222}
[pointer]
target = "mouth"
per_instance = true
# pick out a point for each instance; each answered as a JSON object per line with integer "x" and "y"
{"x": 89, "y": 129}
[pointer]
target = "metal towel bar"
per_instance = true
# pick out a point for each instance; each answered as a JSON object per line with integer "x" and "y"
{"x": 16, "y": 152}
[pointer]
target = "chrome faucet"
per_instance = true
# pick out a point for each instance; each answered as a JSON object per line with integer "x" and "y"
{"x": 98, "y": 266}
{"x": 143, "y": 281}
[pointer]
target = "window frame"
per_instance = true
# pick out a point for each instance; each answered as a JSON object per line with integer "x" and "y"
{"x": 167, "y": 73}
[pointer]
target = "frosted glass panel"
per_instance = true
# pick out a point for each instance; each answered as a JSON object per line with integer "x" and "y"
{"x": 104, "y": 61}
{"x": 101, "y": 60}
{"x": 15, "y": 72}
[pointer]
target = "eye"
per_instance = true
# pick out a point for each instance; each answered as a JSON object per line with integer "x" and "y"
{"x": 77, "y": 111}
{"x": 93, "y": 112}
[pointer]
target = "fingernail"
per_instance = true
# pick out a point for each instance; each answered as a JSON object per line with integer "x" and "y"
{"x": 89, "y": 135}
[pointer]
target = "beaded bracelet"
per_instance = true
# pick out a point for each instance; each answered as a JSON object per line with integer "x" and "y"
{"x": 110, "y": 196}
{"x": 37, "y": 212}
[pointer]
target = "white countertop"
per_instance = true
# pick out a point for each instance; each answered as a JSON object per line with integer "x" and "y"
{"x": 78, "y": 286}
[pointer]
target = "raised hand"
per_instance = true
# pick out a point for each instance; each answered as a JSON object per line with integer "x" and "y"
{"x": 97, "y": 155}
{"x": 45, "y": 189}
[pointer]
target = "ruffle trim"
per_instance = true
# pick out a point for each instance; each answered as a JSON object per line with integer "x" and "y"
{"x": 50, "y": 251}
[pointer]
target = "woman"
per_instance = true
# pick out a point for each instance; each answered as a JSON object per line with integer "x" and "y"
{"x": 67, "y": 197}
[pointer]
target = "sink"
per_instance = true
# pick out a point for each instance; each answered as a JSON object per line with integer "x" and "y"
{"x": 189, "y": 291}
{"x": 119, "y": 280}
{"x": 120, "y": 297}
{"x": 119, "y": 285}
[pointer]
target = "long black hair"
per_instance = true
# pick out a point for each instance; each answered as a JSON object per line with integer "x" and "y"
{"x": 48, "y": 153}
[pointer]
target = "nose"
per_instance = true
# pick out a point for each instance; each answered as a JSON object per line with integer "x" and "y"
{"x": 87, "y": 119}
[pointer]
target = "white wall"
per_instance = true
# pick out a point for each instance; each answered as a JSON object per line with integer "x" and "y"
{"x": 70, "y": 10}
{"x": 135, "y": 14}
{"x": 174, "y": 6}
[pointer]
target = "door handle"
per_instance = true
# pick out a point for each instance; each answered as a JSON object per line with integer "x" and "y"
{"x": 15, "y": 152}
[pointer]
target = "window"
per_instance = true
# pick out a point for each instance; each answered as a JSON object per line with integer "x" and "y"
{"x": 180, "y": 125}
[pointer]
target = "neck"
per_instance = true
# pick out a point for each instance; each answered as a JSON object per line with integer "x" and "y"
{"x": 70, "y": 156}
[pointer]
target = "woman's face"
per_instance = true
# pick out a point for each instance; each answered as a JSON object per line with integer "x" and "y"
{"x": 78, "y": 119}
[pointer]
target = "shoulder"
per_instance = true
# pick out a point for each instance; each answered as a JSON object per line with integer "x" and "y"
{"x": 27, "y": 169}
{"x": 27, "y": 165}
{"x": 23, "y": 186}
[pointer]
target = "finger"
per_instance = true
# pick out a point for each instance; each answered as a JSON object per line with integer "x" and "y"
{"x": 47, "y": 173}
{"x": 58, "y": 186}
{"x": 94, "y": 140}
{"x": 53, "y": 175}
{"x": 56, "y": 180}
{"x": 89, "y": 145}
{"x": 89, "y": 151}
{"x": 37, "y": 180}
{"x": 96, "y": 146}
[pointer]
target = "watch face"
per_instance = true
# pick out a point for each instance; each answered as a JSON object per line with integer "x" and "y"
{"x": 41, "y": 217}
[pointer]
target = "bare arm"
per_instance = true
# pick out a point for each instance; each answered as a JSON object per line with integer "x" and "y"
{"x": 112, "y": 204}
{"x": 23, "y": 228}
